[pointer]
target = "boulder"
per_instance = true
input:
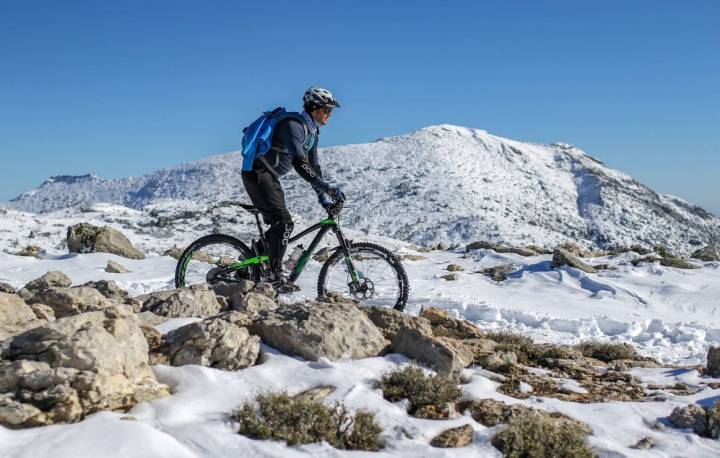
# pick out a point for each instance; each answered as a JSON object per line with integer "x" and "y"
{"x": 43, "y": 312}
{"x": 32, "y": 251}
{"x": 112, "y": 291}
{"x": 454, "y": 437}
{"x": 691, "y": 417}
{"x": 479, "y": 245}
{"x": 713, "y": 362}
{"x": 252, "y": 303}
{"x": 86, "y": 238}
{"x": 74, "y": 366}
{"x": 15, "y": 316}
{"x": 561, "y": 257}
{"x": 389, "y": 321}
{"x": 5, "y": 288}
{"x": 53, "y": 278}
{"x": 708, "y": 253}
{"x": 174, "y": 252}
{"x": 443, "y": 325}
{"x": 334, "y": 330}
{"x": 454, "y": 268}
{"x": 213, "y": 342}
{"x": 71, "y": 301}
{"x": 492, "y": 412}
{"x": 195, "y": 301}
{"x": 522, "y": 251}
{"x": 445, "y": 355}
{"x": 499, "y": 273}
{"x": 228, "y": 290}
{"x": 115, "y": 268}
{"x": 450, "y": 277}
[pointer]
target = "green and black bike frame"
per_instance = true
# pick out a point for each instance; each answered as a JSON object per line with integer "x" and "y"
{"x": 328, "y": 224}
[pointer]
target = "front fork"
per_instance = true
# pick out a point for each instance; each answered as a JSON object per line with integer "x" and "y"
{"x": 345, "y": 248}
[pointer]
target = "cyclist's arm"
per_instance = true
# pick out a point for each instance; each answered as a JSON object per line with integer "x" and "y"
{"x": 300, "y": 161}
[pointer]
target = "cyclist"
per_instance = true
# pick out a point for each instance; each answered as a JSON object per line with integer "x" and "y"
{"x": 294, "y": 145}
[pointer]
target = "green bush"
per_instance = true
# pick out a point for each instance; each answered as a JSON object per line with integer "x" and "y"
{"x": 298, "y": 420}
{"x": 533, "y": 435}
{"x": 608, "y": 352}
{"x": 527, "y": 352}
{"x": 420, "y": 389}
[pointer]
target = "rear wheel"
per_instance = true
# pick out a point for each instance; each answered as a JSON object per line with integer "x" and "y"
{"x": 208, "y": 258}
{"x": 381, "y": 278}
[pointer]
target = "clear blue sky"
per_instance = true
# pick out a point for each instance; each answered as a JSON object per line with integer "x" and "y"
{"x": 123, "y": 88}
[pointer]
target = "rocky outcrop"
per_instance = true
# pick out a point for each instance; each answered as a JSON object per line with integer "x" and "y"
{"x": 53, "y": 278}
{"x": 66, "y": 369}
{"x": 334, "y": 330}
{"x": 5, "y": 288}
{"x": 15, "y": 316}
{"x": 713, "y": 361}
{"x": 71, "y": 301}
{"x": 562, "y": 256}
{"x": 115, "y": 268}
{"x": 195, "y": 301}
{"x": 708, "y": 253}
{"x": 213, "y": 342}
{"x": 113, "y": 292}
{"x": 500, "y": 273}
{"x": 32, "y": 251}
{"x": 86, "y": 238}
{"x": 453, "y": 437}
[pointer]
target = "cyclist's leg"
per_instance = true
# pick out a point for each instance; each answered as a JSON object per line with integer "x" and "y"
{"x": 267, "y": 194}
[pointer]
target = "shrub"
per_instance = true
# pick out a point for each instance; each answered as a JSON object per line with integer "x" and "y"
{"x": 420, "y": 389}
{"x": 532, "y": 435}
{"x": 608, "y": 352}
{"x": 527, "y": 352}
{"x": 298, "y": 420}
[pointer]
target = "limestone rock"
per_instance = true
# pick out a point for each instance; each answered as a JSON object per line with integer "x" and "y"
{"x": 444, "y": 325}
{"x": 213, "y": 342}
{"x": 71, "y": 301}
{"x": 713, "y": 362}
{"x": 389, "y": 321}
{"x": 334, "y": 330}
{"x": 43, "y": 312}
{"x": 454, "y": 268}
{"x": 115, "y": 268}
{"x": 53, "y": 278}
{"x": 561, "y": 256}
{"x": 500, "y": 273}
{"x": 454, "y": 437}
{"x": 450, "y": 277}
{"x": 32, "y": 251}
{"x": 196, "y": 301}
{"x": 86, "y": 238}
{"x": 692, "y": 417}
{"x": 447, "y": 356}
{"x": 174, "y": 252}
{"x": 708, "y": 253}
{"x": 74, "y": 366}
{"x": 5, "y": 288}
{"x": 253, "y": 303}
{"x": 15, "y": 316}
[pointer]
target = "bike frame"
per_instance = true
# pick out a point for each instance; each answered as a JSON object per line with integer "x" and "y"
{"x": 323, "y": 227}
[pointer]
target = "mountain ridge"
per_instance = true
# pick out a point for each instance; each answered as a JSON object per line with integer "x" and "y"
{"x": 441, "y": 183}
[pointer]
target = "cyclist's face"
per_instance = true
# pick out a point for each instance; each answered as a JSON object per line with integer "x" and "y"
{"x": 322, "y": 115}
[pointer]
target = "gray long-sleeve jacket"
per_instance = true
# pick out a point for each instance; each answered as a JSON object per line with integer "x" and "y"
{"x": 293, "y": 145}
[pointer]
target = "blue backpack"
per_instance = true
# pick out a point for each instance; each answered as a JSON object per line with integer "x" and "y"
{"x": 257, "y": 137}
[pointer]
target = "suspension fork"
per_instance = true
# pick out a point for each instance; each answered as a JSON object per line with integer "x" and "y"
{"x": 345, "y": 248}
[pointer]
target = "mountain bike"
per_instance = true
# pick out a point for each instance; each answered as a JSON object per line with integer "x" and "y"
{"x": 362, "y": 271}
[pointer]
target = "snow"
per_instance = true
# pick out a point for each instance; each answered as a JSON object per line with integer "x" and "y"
{"x": 440, "y": 184}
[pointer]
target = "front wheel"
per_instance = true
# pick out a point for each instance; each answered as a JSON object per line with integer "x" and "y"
{"x": 379, "y": 277}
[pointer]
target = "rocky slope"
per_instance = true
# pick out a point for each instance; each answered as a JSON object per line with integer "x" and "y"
{"x": 442, "y": 183}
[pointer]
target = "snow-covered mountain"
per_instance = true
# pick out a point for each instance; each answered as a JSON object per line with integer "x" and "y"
{"x": 439, "y": 184}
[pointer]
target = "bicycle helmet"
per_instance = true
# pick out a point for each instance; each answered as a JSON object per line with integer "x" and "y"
{"x": 317, "y": 97}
